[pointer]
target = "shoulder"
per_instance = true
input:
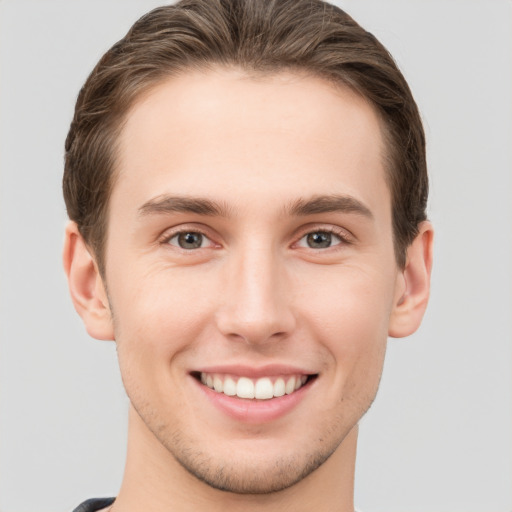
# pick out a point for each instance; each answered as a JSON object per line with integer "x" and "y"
{"x": 94, "y": 504}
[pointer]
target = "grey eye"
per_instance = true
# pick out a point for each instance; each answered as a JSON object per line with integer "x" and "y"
{"x": 319, "y": 240}
{"x": 188, "y": 240}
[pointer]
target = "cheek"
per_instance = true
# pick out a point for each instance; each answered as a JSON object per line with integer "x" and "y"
{"x": 349, "y": 316}
{"x": 161, "y": 317}
{"x": 352, "y": 304}
{"x": 154, "y": 325}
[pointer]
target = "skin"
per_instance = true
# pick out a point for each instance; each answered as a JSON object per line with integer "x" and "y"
{"x": 256, "y": 292}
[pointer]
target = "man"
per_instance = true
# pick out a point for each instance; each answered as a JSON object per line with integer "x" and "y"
{"x": 246, "y": 184}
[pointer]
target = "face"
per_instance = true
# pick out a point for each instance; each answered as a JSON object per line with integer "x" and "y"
{"x": 250, "y": 272}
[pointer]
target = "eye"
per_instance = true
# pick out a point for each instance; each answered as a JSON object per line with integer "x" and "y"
{"x": 189, "y": 240}
{"x": 320, "y": 240}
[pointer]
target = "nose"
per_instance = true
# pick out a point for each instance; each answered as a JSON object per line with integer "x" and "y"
{"x": 257, "y": 300}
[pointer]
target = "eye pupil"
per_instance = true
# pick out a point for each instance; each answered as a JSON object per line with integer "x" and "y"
{"x": 319, "y": 240}
{"x": 190, "y": 240}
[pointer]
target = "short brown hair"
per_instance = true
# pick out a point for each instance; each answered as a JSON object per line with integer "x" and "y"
{"x": 257, "y": 36}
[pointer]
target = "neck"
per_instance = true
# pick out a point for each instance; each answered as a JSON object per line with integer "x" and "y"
{"x": 155, "y": 482}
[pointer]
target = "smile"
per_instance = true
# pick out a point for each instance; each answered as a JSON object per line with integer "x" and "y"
{"x": 263, "y": 388}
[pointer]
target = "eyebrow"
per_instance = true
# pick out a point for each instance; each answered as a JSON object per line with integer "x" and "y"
{"x": 330, "y": 204}
{"x": 183, "y": 204}
{"x": 300, "y": 208}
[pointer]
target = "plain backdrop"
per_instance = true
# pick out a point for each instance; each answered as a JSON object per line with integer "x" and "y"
{"x": 438, "y": 438}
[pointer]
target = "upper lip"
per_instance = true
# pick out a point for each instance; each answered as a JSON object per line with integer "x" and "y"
{"x": 241, "y": 370}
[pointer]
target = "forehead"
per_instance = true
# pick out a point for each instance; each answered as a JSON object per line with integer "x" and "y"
{"x": 227, "y": 134}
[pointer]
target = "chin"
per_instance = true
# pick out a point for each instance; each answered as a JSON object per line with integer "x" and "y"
{"x": 247, "y": 475}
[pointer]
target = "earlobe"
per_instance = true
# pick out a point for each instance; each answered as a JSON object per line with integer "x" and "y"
{"x": 86, "y": 286}
{"x": 413, "y": 285}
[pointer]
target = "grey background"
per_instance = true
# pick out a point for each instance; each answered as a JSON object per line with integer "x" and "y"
{"x": 438, "y": 437}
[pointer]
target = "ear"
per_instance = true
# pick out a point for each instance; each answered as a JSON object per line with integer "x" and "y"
{"x": 86, "y": 286}
{"x": 413, "y": 285}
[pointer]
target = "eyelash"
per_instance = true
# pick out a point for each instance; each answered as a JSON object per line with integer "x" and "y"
{"x": 167, "y": 237}
{"x": 344, "y": 237}
{"x": 341, "y": 234}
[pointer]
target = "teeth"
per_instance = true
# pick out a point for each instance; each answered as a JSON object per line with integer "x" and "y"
{"x": 245, "y": 388}
{"x": 261, "y": 389}
{"x": 218, "y": 385}
{"x": 229, "y": 387}
{"x": 279, "y": 387}
{"x": 264, "y": 389}
{"x": 290, "y": 386}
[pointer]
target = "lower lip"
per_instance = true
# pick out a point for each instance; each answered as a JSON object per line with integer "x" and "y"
{"x": 254, "y": 411}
